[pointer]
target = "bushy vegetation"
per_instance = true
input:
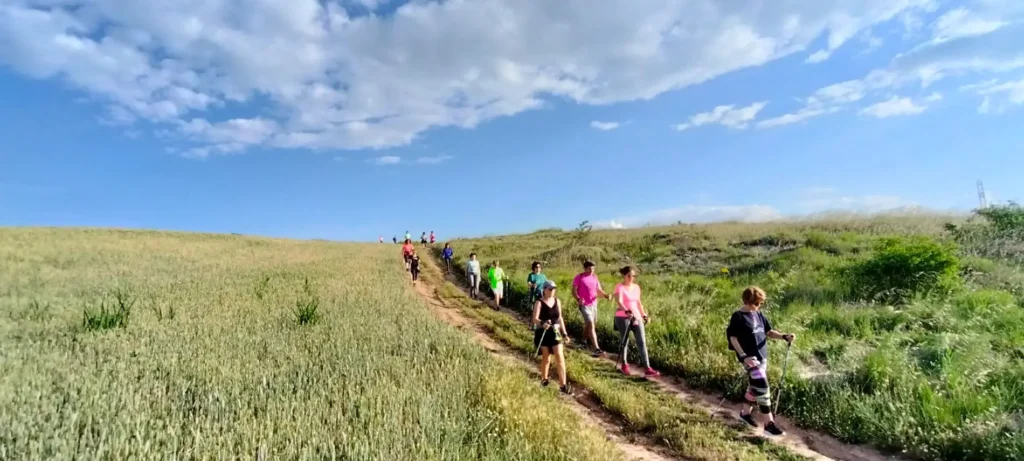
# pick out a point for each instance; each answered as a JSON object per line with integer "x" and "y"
{"x": 231, "y": 374}
{"x": 911, "y": 329}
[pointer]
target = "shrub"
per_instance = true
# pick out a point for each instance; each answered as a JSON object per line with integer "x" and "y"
{"x": 112, "y": 314}
{"x": 904, "y": 267}
{"x": 307, "y": 307}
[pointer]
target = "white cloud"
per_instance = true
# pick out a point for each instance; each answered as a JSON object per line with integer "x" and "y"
{"x": 962, "y": 22}
{"x": 934, "y": 97}
{"x": 998, "y": 96}
{"x": 699, "y": 213}
{"x": 729, "y": 116}
{"x": 794, "y": 117}
{"x": 433, "y": 160}
{"x": 818, "y": 200}
{"x": 818, "y": 56}
{"x": 892, "y": 107}
{"x": 386, "y": 160}
{"x": 604, "y": 126}
{"x": 328, "y": 79}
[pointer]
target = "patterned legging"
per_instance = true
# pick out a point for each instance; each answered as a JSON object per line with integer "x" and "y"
{"x": 757, "y": 389}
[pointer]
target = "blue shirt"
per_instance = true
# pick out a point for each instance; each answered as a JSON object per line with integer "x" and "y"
{"x": 447, "y": 253}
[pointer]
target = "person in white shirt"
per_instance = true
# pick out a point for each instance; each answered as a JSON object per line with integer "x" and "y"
{"x": 473, "y": 275}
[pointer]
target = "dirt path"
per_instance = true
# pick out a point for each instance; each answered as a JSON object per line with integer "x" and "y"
{"x": 632, "y": 446}
{"x": 812, "y": 444}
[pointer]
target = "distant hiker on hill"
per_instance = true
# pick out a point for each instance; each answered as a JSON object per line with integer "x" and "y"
{"x": 496, "y": 276}
{"x": 394, "y": 239}
{"x": 473, "y": 276}
{"x": 408, "y": 236}
{"x": 548, "y": 334}
{"x": 447, "y": 254}
{"x": 535, "y": 281}
{"x": 627, "y": 319}
{"x": 380, "y": 238}
{"x": 586, "y": 288}
{"x": 748, "y": 334}
{"x": 423, "y": 239}
{"x": 407, "y": 251}
{"x": 414, "y": 267}
{"x": 432, "y": 240}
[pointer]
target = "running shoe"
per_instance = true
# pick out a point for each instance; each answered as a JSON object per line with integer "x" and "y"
{"x": 598, "y": 353}
{"x": 544, "y": 382}
{"x": 625, "y": 369}
{"x": 749, "y": 418}
{"x": 773, "y": 429}
{"x": 651, "y": 373}
{"x": 565, "y": 389}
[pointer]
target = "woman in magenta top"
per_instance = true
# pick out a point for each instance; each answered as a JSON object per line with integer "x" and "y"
{"x": 628, "y": 319}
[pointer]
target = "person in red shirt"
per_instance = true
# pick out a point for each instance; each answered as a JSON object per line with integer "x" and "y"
{"x": 431, "y": 238}
{"x": 407, "y": 251}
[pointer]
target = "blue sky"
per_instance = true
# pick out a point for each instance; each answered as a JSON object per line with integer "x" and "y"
{"x": 353, "y": 119}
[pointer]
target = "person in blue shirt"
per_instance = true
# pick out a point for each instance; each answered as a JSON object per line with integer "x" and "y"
{"x": 536, "y": 281}
{"x": 447, "y": 254}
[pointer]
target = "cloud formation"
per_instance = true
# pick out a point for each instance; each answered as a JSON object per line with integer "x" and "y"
{"x": 604, "y": 126}
{"x": 892, "y": 107}
{"x": 323, "y": 74}
{"x": 729, "y": 116}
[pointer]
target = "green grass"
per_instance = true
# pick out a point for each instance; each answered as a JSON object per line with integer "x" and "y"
{"x": 688, "y": 431}
{"x": 217, "y": 362}
{"x": 934, "y": 376}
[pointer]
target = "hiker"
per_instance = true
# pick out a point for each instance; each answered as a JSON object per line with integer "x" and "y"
{"x": 586, "y": 288}
{"x": 473, "y": 276}
{"x": 432, "y": 240}
{"x": 497, "y": 277}
{"x": 627, "y": 294}
{"x": 407, "y": 251}
{"x": 423, "y": 239}
{"x": 447, "y": 254}
{"x": 535, "y": 281}
{"x": 748, "y": 334}
{"x": 394, "y": 239}
{"x": 408, "y": 236}
{"x": 380, "y": 238}
{"x": 414, "y": 267}
{"x": 548, "y": 334}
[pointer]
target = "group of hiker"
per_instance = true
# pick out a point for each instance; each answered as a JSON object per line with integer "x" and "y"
{"x": 408, "y": 238}
{"x": 747, "y": 332}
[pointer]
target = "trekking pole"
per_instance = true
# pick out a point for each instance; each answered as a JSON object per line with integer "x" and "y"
{"x": 725, "y": 395}
{"x": 782, "y": 380}
{"x": 541, "y": 342}
{"x": 624, "y": 342}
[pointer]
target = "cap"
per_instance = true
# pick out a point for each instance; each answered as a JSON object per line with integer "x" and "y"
{"x": 548, "y": 285}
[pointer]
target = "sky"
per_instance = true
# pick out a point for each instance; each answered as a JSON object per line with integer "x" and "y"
{"x": 353, "y": 119}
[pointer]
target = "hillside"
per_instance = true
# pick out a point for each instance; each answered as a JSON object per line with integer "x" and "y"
{"x": 910, "y": 329}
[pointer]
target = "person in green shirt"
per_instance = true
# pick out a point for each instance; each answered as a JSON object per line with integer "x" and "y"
{"x": 535, "y": 281}
{"x": 496, "y": 277}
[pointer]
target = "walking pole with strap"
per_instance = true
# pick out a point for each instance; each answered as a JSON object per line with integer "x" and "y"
{"x": 782, "y": 380}
{"x": 541, "y": 342}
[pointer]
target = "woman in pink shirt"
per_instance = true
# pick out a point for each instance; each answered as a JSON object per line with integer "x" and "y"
{"x": 627, "y": 317}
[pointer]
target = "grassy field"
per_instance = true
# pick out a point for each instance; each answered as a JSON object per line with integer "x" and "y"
{"x": 911, "y": 328}
{"x": 146, "y": 345}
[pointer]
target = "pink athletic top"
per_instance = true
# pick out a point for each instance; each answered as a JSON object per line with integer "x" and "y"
{"x": 630, "y": 299}
{"x": 586, "y": 287}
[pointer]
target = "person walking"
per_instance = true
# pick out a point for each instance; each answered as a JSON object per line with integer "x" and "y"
{"x": 380, "y": 239}
{"x": 407, "y": 251}
{"x": 496, "y": 276}
{"x": 432, "y": 240}
{"x": 473, "y": 276}
{"x": 394, "y": 239}
{"x": 447, "y": 253}
{"x": 535, "y": 281}
{"x": 414, "y": 267}
{"x": 586, "y": 289}
{"x": 423, "y": 239}
{"x": 408, "y": 236}
{"x": 748, "y": 333}
{"x": 628, "y": 319}
{"x": 549, "y": 333}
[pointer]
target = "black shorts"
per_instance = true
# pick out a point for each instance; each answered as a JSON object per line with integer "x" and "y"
{"x": 552, "y": 338}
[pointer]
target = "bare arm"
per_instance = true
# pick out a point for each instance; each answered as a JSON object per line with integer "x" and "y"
{"x": 536, "y": 313}
{"x": 561, "y": 321}
{"x": 775, "y": 334}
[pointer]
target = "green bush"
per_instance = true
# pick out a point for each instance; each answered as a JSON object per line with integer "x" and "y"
{"x": 904, "y": 267}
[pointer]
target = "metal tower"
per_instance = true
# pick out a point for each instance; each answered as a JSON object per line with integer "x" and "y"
{"x": 982, "y": 197}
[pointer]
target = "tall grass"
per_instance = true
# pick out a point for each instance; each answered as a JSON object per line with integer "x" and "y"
{"x": 932, "y": 376}
{"x": 231, "y": 376}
